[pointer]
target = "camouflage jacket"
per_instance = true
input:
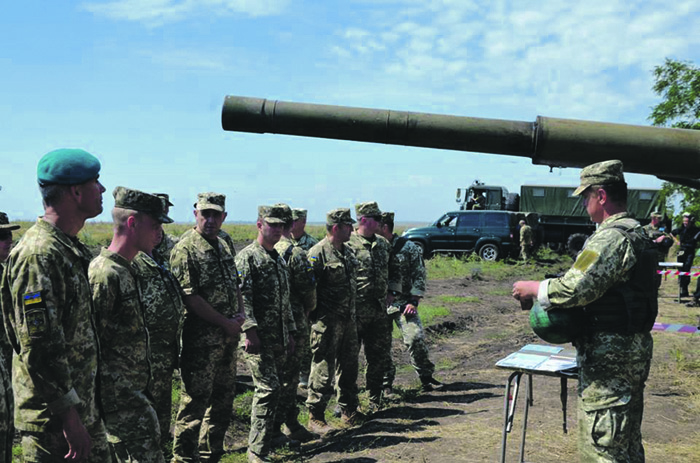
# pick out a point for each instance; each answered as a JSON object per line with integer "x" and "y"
{"x": 208, "y": 271}
{"x": 306, "y": 241}
{"x": 125, "y": 370}
{"x": 164, "y": 248}
{"x": 162, "y": 302}
{"x": 48, "y": 316}
{"x": 525, "y": 235}
{"x": 408, "y": 262}
{"x": 265, "y": 288}
{"x": 336, "y": 279}
{"x": 372, "y": 275}
{"x": 654, "y": 233}
{"x": 302, "y": 284}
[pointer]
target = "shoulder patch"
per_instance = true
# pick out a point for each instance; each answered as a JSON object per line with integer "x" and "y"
{"x": 585, "y": 259}
{"x": 35, "y": 317}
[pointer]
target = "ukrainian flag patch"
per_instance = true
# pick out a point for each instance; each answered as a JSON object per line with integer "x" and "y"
{"x": 35, "y": 316}
{"x": 33, "y": 299}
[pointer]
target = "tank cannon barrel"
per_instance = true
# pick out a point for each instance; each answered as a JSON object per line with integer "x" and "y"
{"x": 669, "y": 153}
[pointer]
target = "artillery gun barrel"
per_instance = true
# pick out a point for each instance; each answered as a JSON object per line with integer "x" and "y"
{"x": 670, "y": 153}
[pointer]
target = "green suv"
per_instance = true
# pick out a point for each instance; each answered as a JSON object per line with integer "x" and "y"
{"x": 491, "y": 234}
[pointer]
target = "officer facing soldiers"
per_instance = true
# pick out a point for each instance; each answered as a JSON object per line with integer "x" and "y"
{"x": 206, "y": 270}
{"x": 268, "y": 327}
{"x": 302, "y": 298}
{"x": 163, "y": 309}
{"x": 407, "y": 259}
{"x": 373, "y": 324}
{"x": 47, "y": 309}
{"x": 333, "y": 340}
{"x": 125, "y": 373}
{"x": 303, "y": 239}
{"x": 613, "y": 278}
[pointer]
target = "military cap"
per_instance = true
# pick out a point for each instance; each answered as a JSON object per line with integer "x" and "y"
{"x": 215, "y": 201}
{"x": 165, "y": 197}
{"x": 5, "y": 223}
{"x": 140, "y": 201}
{"x": 67, "y": 166}
{"x": 600, "y": 173}
{"x": 387, "y": 218}
{"x": 340, "y": 215}
{"x": 368, "y": 209}
{"x": 274, "y": 214}
{"x": 298, "y": 213}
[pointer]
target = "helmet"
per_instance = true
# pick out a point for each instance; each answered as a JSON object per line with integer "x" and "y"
{"x": 556, "y": 326}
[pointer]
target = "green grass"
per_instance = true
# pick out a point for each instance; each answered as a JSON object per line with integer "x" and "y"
{"x": 428, "y": 314}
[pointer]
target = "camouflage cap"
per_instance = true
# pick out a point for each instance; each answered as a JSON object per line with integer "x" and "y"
{"x": 368, "y": 209}
{"x": 298, "y": 213}
{"x": 215, "y": 201}
{"x": 5, "y": 223}
{"x": 387, "y": 217}
{"x": 165, "y": 197}
{"x": 279, "y": 213}
{"x": 140, "y": 201}
{"x": 67, "y": 166}
{"x": 600, "y": 173}
{"x": 340, "y": 215}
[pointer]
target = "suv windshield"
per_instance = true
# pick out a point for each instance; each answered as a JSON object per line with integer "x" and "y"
{"x": 446, "y": 221}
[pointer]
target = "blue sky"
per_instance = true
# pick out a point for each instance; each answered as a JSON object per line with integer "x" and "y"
{"x": 140, "y": 84}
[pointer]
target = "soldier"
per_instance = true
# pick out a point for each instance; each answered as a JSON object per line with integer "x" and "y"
{"x": 333, "y": 340}
{"x": 163, "y": 312}
{"x": 302, "y": 298}
{"x": 687, "y": 238}
{"x": 125, "y": 373}
{"x": 299, "y": 234}
{"x": 205, "y": 268}
{"x": 373, "y": 323}
{"x": 167, "y": 242}
{"x": 525, "y": 241}
{"x": 7, "y": 429}
{"x": 268, "y": 326}
{"x": 613, "y": 277}
{"x": 47, "y": 309}
{"x": 657, "y": 234}
{"x": 407, "y": 259}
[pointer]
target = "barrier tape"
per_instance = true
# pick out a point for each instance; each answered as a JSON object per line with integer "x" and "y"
{"x": 677, "y": 273}
{"x": 675, "y": 328}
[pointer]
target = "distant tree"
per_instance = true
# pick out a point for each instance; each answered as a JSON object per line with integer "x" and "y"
{"x": 678, "y": 83}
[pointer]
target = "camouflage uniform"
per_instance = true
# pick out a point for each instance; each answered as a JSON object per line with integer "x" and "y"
{"x": 373, "y": 323}
{"x": 302, "y": 297}
{"x": 229, "y": 241}
{"x": 163, "y": 312}
{"x": 306, "y": 242}
{"x": 7, "y": 428}
{"x": 662, "y": 248}
{"x": 49, "y": 320}
{"x": 164, "y": 248}
{"x": 613, "y": 366}
{"x": 525, "y": 242}
{"x": 208, "y": 359}
{"x": 265, "y": 288}
{"x": 408, "y": 260}
{"x": 333, "y": 341}
{"x": 125, "y": 372}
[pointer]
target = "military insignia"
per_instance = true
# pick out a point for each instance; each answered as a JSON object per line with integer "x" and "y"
{"x": 585, "y": 259}
{"x": 35, "y": 317}
{"x": 313, "y": 258}
{"x": 33, "y": 299}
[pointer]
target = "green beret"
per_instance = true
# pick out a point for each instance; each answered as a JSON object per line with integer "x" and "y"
{"x": 279, "y": 213}
{"x": 368, "y": 209}
{"x": 298, "y": 213}
{"x": 340, "y": 215}
{"x": 67, "y": 166}
{"x": 5, "y": 223}
{"x": 600, "y": 173}
{"x": 135, "y": 200}
{"x": 215, "y": 201}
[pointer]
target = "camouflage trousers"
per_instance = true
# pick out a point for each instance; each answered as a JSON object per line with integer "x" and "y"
{"x": 375, "y": 335}
{"x": 50, "y": 446}
{"x": 334, "y": 354}
{"x": 287, "y": 410}
{"x": 7, "y": 415}
{"x": 611, "y": 400}
{"x": 206, "y": 400}
{"x": 163, "y": 364}
{"x": 134, "y": 435}
{"x": 525, "y": 251}
{"x": 414, "y": 340}
{"x": 266, "y": 369}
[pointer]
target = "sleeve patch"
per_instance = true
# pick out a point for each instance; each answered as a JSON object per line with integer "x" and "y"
{"x": 585, "y": 260}
{"x": 34, "y": 300}
{"x": 35, "y": 316}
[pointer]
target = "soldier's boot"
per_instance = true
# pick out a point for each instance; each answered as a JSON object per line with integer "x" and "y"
{"x": 318, "y": 424}
{"x": 428, "y": 384}
{"x": 389, "y": 394}
{"x": 375, "y": 401}
{"x": 255, "y": 458}
{"x": 353, "y": 417}
{"x": 295, "y": 431}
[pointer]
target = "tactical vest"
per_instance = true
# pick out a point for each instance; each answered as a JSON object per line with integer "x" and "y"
{"x": 632, "y": 306}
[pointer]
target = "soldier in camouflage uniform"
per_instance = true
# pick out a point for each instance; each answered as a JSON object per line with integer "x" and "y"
{"x": 7, "y": 429}
{"x": 125, "y": 373}
{"x": 206, "y": 270}
{"x": 47, "y": 310}
{"x": 525, "y": 241}
{"x": 163, "y": 312}
{"x": 165, "y": 246}
{"x": 613, "y": 278}
{"x": 373, "y": 323}
{"x": 268, "y": 326}
{"x": 302, "y": 297}
{"x": 407, "y": 259}
{"x": 334, "y": 346}
{"x": 658, "y": 235}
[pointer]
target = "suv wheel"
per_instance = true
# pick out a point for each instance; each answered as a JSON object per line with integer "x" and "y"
{"x": 421, "y": 245}
{"x": 489, "y": 252}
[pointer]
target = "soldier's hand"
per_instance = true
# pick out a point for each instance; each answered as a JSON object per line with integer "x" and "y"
{"x": 525, "y": 290}
{"x": 252, "y": 342}
{"x": 77, "y": 436}
{"x": 410, "y": 309}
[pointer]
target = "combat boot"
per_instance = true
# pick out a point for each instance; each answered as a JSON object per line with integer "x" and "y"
{"x": 318, "y": 424}
{"x": 294, "y": 430}
{"x": 389, "y": 393}
{"x": 353, "y": 418}
{"x": 428, "y": 384}
{"x": 255, "y": 458}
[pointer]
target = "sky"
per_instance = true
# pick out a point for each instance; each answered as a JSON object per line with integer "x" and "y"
{"x": 140, "y": 84}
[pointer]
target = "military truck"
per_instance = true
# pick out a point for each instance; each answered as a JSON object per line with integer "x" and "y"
{"x": 558, "y": 219}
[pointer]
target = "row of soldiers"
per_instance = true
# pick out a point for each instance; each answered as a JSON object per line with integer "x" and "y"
{"x": 94, "y": 342}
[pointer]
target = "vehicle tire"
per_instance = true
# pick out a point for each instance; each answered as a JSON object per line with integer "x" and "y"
{"x": 421, "y": 245}
{"x": 489, "y": 252}
{"x": 513, "y": 202}
{"x": 575, "y": 243}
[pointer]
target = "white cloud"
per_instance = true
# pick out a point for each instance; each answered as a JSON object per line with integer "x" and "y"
{"x": 159, "y": 12}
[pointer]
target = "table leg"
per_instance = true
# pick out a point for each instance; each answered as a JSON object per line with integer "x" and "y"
{"x": 509, "y": 409}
